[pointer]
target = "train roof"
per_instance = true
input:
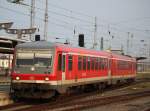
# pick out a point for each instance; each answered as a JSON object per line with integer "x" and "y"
{"x": 124, "y": 57}
{"x": 36, "y": 45}
{"x": 63, "y": 47}
{"x": 68, "y": 48}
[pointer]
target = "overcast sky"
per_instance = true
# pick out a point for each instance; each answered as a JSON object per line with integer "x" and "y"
{"x": 115, "y": 16}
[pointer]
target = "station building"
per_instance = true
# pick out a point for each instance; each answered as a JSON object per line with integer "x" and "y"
{"x": 7, "y": 45}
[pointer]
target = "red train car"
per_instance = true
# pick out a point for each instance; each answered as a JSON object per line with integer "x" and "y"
{"x": 41, "y": 69}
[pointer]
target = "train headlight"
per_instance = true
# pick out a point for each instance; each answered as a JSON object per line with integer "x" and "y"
{"x": 46, "y": 78}
{"x": 32, "y": 68}
{"x": 17, "y": 78}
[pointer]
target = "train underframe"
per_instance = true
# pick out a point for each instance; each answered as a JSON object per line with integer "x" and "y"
{"x": 46, "y": 91}
{"x": 32, "y": 90}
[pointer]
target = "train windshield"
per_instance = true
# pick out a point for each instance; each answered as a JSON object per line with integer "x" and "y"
{"x": 34, "y": 62}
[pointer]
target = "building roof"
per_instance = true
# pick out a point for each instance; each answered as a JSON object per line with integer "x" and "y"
{"x": 7, "y": 44}
{"x": 11, "y": 38}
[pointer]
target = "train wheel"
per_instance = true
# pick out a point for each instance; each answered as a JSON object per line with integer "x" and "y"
{"x": 101, "y": 87}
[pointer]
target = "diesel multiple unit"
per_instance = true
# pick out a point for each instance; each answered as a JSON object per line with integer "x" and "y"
{"x": 41, "y": 69}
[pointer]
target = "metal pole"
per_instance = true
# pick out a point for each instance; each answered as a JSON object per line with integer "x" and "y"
{"x": 95, "y": 34}
{"x": 109, "y": 37}
{"x": 32, "y": 16}
{"x": 128, "y": 43}
{"x": 46, "y": 20}
{"x": 101, "y": 43}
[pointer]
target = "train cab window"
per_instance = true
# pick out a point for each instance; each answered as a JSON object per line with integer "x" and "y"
{"x": 80, "y": 63}
{"x": 70, "y": 62}
{"x": 88, "y": 63}
{"x": 84, "y": 63}
{"x": 59, "y": 62}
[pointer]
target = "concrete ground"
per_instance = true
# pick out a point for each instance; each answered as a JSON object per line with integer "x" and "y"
{"x": 140, "y": 104}
{"x": 5, "y": 98}
{"x": 4, "y": 79}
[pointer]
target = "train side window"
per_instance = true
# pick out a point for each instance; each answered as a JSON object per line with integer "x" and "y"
{"x": 88, "y": 63}
{"x": 96, "y": 63}
{"x": 106, "y": 63}
{"x": 92, "y": 67}
{"x": 59, "y": 62}
{"x": 119, "y": 65}
{"x": 84, "y": 63}
{"x": 130, "y": 66}
{"x": 70, "y": 62}
{"x": 103, "y": 64}
{"x": 99, "y": 60}
{"x": 123, "y": 65}
{"x": 80, "y": 63}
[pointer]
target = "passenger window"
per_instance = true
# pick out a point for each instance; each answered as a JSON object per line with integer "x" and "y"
{"x": 80, "y": 63}
{"x": 84, "y": 63}
{"x": 92, "y": 63}
{"x": 70, "y": 62}
{"x": 88, "y": 63}
{"x": 103, "y": 64}
{"x": 123, "y": 65}
{"x": 59, "y": 62}
{"x": 99, "y": 60}
{"x": 96, "y": 63}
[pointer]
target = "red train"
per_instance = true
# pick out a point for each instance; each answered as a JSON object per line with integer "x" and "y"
{"x": 41, "y": 69}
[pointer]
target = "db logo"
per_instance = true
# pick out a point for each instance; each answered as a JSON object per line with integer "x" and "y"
{"x": 31, "y": 78}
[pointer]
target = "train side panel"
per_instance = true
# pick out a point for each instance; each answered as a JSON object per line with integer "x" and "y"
{"x": 81, "y": 68}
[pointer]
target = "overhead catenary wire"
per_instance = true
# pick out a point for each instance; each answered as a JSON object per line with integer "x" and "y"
{"x": 15, "y": 11}
{"x": 22, "y": 13}
{"x": 60, "y": 14}
{"x": 75, "y": 18}
{"x": 69, "y": 10}
{"x": 39, "y": 18}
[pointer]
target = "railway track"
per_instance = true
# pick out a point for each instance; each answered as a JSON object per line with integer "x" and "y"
{"x": 75, "y": 105}
{"x": 103, "y": 101}
{"x": 148, "y": 109}
{"x": 11, "y": 106}
{"x": 75, "y": 101}
{"x": 18, "y": 106}
{"x": 78, "y": 102}
{"x": 53, "y": 102}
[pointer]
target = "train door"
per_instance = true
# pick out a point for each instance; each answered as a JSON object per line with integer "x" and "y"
{"x": 70, "y": 67}
{"x": 109, "y": 70}
{"x": 63, "y": 67}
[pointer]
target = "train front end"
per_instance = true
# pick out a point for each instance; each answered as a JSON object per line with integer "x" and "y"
{"x": 33, "y": 70}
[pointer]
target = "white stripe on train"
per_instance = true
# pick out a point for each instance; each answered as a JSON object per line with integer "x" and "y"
{"x": 74, "y": 81}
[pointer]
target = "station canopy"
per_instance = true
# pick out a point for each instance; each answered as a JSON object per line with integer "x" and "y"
{"x": 7, "y": 44}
